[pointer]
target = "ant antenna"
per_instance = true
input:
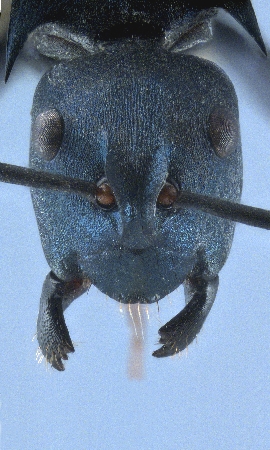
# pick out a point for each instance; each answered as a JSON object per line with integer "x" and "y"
{"x": 226, "y": 209}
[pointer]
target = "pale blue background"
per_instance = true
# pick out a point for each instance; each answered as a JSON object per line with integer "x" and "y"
{"x": 214, "y": 397}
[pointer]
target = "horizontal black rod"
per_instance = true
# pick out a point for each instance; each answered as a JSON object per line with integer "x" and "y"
{"x": 45, "y": 180}
{"x": 236, "y": 212}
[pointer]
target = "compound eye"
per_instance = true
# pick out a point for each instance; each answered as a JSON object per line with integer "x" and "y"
{"x": 104, "y": 196}
{"x": 167, "y": 196}
{"x": 223, "y": 131}
{"x": 47, "y": 134}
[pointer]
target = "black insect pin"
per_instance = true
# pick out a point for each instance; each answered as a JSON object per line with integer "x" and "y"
{"x": 135, "y": 157}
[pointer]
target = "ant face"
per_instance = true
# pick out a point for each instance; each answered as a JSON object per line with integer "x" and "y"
{"x": 141, "y": 136}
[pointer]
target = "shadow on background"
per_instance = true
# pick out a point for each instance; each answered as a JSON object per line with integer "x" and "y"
{"x": 252, "y": 66}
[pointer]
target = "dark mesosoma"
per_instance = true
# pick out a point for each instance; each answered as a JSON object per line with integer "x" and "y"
{"x": 135, "y": 157}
